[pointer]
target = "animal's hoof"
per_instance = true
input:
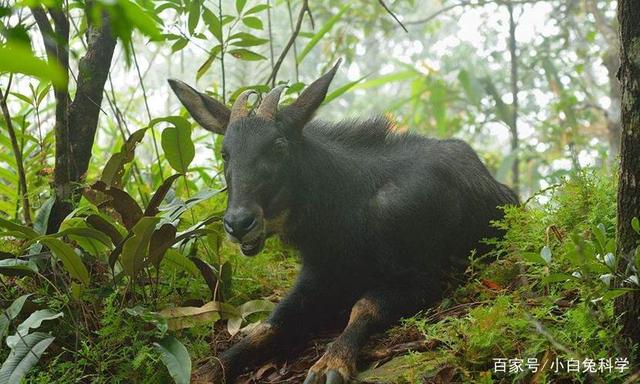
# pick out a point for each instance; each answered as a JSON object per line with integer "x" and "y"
{"x": 334, "y": 377}
{"x": 332, "y": 368}
{"x": 331, "y": 377}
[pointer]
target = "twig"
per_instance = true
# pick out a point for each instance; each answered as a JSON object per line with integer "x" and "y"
{"x": 465, "y": 4}
{"x": 17, "y": 154}
{"x": 295, "y": 49}
{"x": 274, "y": 73}
{"x": 392, "y": 15}
{"x": 515, "y": 171}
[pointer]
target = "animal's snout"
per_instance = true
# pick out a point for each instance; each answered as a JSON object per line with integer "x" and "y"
{"x": 239, "y": 223}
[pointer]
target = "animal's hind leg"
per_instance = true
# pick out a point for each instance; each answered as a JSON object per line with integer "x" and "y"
{"x": 374, "y": 312}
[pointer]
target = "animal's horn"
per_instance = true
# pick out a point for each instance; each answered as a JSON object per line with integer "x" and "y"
{"x": 269, "y": 105}
{"x": 239, "y": 108}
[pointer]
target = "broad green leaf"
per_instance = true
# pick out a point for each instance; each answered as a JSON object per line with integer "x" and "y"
{"x": 141, "y": 19}
{"x": 245, "y": 54}
{"x": 42, "y": 216}
{"x": 17, "y": 267}
{"x": 122, "y": 202}
{"x": 208, "y": 274}
{"x": 161, "y": 240}
{"x": 243, "y": 39}
{"x": 20, "y": 59}
{"x": 252, "y": 22}
{"x": 213, "y": 22}
{"x": 136, "y": 247}
{"x": 557, "y": 277}
{"x": 179, "y": 44}
{"x": 106, "y": 226}
{"x": 177, "y": 144}
{"x": 194, "y": 15}
{"x": 176, "y": 358}
{"x": 26, "y": 231}
{"x": 255, "y": 306}
{"x": 256, "y": 9}
{"x": 11, "y": 313}
{"x": 32, "y": 322}
{"x": 215, "y": 51}
{"x": 240, "y": 5}
{"x": 24, "y": 356}
{"x": 70, "y": 259}
{"x": 321, "y": 32}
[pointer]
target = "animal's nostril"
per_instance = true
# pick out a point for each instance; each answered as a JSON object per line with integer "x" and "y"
{"x": 247, "y": 223}
{"x": 239, "y": 226}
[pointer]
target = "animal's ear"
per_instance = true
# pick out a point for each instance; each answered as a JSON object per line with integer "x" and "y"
{"x": 209, "y": 113}
{"x": 300, "y": 111}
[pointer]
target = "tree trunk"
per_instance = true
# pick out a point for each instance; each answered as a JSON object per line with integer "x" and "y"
{"x": 77, "y": 119}
{"x": 628, "y": 306}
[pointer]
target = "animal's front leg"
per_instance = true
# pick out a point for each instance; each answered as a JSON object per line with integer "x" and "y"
{"x": 294, "y": 321}
{"x": 375, "y": 311}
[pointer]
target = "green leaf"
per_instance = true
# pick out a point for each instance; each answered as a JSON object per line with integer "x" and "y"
{"x": 26, "y": 231}
{"x": 194, "y": 15}
{"x": 256, "y": 9}
{"x": 240, "y": 5}
{"x": 141, "y": 19}
{"x": 323, "y": 31}
{"x": 158, "y": 197}
{"x": 175, "y": 357}
{"x": 24, "y": 356}
{"x": 207, "y": 64}
{"x": 70, "y": 259}
{"x": 179, "y": 44}
{"x": 114, "y": 169}
{"x": 32, "y": 322}
{"x": 533, "y": 257}
{"x": 136, "y": 247}
{"x": 472, "y": 87}
{"x": 177, "y": 144}
{"x": 103, "y": 224}
{"x": 177, "y": 261}
{"x": 17, "y": 267}
{"x": 85, "y": 232}
{"x": 20, "y": 59}
{"x": 41, "y": 222}
{"x": 635, "y": 224}
{"x": 208, "y": 274}
{"x": 245, "y": 54}
{"x": 252, "y": 22}
{"x": 11, "y": 313}
{"x": 557, "y": 277}
{"x": 341, "y": 90}
{"x": 161, "y": 240}
{"x": 213, "y": 22}
{"x": 243, "y": 39}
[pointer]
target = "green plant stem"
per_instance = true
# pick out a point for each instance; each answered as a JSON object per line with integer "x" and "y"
{"x": 222, "y": 51}
{"x": 17, "y": 153}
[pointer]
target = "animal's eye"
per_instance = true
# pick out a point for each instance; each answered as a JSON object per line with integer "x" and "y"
{"x": 225, "y": 155}
{"x": 280, "y": 147}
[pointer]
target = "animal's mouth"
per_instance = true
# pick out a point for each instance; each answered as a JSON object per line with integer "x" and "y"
{"x": 253, "y": 247}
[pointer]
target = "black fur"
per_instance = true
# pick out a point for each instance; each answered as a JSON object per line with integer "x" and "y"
{"x": 382, "y": 220}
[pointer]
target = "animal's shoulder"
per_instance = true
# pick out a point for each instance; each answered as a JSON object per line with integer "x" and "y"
{"x": 365, "y": 133}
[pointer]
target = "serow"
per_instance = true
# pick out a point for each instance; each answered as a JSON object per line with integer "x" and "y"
{"x": 383, "y": 220}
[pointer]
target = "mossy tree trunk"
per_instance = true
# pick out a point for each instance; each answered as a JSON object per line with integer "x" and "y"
{"x": 628, "y": 306}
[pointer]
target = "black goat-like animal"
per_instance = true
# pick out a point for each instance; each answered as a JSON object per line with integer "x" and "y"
{"x": 381, "y": 220}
